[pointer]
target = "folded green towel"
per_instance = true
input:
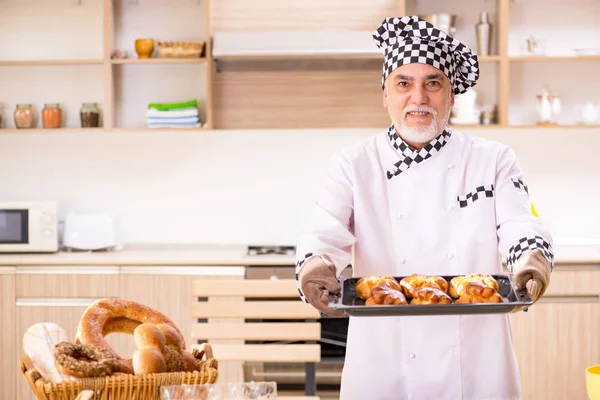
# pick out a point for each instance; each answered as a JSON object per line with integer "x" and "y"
{"x": 173, "y": 106}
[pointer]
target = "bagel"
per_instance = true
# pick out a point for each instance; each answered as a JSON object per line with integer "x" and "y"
{"x": 83, "y": 360}
{"x": 114, "y": 315}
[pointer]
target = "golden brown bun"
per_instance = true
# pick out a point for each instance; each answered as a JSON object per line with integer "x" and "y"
{"x": 416, "y": 281}
{"x": 458, "y": 283}
{"x": 171, "y": 336}
{"x": 124, "y": 314}
{"x": 430, "y": 295}
{"x": 148, "y": 361}
{"x": 366, "y": 284}
{"x": 173, "y": 359}
{"x": 383, "y": 295}
{"x": 475, "y": 292}
{"x": 370, "y": 302}
{"x": 148, "y": 335}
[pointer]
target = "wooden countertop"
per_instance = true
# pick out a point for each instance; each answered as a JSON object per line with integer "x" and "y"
{"x": 214, "y": 255}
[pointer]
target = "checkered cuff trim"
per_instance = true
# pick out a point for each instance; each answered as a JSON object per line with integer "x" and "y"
{"x": 518, "y": 183}
{"x": 479, "y": 192}
{"x": 530, "y": 243}
{"x": 409, "y": 156}
{"x": 411, "y": 39}
{"x": 298, "y": 266}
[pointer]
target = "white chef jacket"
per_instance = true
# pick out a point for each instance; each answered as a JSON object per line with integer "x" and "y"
{"x": 457, "y": 206}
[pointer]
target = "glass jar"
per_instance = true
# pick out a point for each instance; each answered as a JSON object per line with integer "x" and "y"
{"x": 51, "y": 116}
{"x": 89, "y": 115}
{"x": 23, "y": 116}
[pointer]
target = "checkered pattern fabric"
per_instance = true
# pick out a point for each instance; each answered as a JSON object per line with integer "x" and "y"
{"x": 411, "y": 39}
{"x": 410, "y": 156}
{"x": 480, "y": 191}
{"x": 529, "y": 243}
{"x": 298, "y": 266}
{"x": 518, "y": 183}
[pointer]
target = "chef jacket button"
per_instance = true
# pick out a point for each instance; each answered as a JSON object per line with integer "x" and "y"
{"x": 450, "y": 256}
{"x": 399, "y": 216}
{"x": 451, "y": 207}
{"x": 412, "y": 355}
{"x": 403, "y": 261}
{"x": 450, "y": 166}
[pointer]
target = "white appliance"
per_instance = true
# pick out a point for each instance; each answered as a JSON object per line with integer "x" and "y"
{"x": 89, "y": 231}
{"x": 28, "y": 227}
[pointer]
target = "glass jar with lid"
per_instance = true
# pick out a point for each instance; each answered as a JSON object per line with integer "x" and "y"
{"x": 23, "y": 116}
{"x": 51, "y": 116}
{"x": 89, "y": 115}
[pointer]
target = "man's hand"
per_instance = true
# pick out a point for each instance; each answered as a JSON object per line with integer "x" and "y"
{"x": 533, "y": 273}
{"x": 317, "y": 280}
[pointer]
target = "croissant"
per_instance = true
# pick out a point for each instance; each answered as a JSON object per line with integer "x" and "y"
{"x": 429, "y": 295}
{"x": 383, "y": 295}
{"x": 416, "y": 281}
{"x": 476, "y": 292}
{"x": 366, "y": 284}
{"x": 458, "y": 283}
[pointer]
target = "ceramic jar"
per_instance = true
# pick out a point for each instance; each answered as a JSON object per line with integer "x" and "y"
{"x": 51, "y": 116}
{"x": 89, "y": 114}
{"x": 23, "y": 116}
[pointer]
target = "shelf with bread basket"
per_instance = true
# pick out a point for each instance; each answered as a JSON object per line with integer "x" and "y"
{"x": 121, "y": 386}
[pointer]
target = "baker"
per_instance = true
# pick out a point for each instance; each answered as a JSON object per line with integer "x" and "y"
{"x": 422, "y": 198}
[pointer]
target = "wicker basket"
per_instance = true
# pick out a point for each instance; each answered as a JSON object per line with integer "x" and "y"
{"x": 169, "y": 49}
{"x": 119, "y": 386}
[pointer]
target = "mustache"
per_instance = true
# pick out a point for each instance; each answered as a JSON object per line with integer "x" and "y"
{"x": 415, "y": 108}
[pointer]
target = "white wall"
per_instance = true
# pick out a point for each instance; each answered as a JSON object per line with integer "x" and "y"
{"x": 256, "y": 186}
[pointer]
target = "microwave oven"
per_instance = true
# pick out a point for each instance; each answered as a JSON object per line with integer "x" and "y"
{"x": 28, "y": 227}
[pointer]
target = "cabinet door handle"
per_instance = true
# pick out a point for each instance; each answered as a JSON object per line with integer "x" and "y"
{"x": 69, "y": 270}
{"x": 55, "y": 301}
{"x": 569, "y": 299}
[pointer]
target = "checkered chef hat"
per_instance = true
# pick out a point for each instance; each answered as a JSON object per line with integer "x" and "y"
{"x": 411, "y": 39}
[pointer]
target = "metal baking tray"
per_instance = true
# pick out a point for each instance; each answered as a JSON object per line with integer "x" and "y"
{"x": 349, "y": 302}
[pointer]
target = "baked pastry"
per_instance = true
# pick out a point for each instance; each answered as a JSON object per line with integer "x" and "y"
{"x": 416, "y": 281}
{"x": 458, "y": 283}
{"x": 430, "y": 295}
{"x": 83, "y": 360}
{"x": 117, "y": 315}
{"x": 148, "y": 358}
{"x": 476, "y": 292}
{"x": 366, "y": 284}
{"x": 383, "y": 295}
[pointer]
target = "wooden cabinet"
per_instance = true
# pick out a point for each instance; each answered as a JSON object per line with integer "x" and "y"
{"x": 557, "y": 339}
{"x": 8, "y": 345}
{"x": 58, "y": 294}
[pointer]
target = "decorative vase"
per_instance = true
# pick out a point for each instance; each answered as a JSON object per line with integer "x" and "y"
{"x": 144, "y": 47}
{"x": 483, "y": 30}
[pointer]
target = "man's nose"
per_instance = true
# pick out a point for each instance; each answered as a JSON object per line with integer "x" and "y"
{"x": 419, "y": 95}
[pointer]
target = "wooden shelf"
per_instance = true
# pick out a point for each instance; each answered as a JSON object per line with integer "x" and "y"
{"x": 159, "y": 61}
{"x": 555, "y": 58}
{"x": 50, "y": 131}
{"x": 8, "y": 63}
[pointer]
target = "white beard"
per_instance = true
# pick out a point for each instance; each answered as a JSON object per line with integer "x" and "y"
{"x": 423, "y": 134}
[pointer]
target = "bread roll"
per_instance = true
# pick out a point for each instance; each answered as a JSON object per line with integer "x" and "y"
{"x": 366, "y": 284}
{"x": 416, "y": 281}
{"x": 430, "y": 295}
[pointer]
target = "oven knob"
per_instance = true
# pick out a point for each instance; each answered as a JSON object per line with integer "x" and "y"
{"x": 48, "y": 218}
{"x": 48, "y": 232}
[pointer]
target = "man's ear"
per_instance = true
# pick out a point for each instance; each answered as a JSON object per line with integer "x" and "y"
{"x": 385, "y": 97}
{"x": 452, "y": 99}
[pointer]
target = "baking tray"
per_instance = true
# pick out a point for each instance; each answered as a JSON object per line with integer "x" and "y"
{"x": 349, "y": 302}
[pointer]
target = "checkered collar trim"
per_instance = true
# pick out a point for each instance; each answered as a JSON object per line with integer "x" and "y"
{"x": 410, "y": 156}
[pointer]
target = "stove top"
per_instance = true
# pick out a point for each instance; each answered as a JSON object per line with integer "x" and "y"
{"x": 271, "y": 250}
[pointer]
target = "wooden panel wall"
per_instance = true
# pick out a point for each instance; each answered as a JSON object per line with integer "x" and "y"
{"x": 243, "y": 15}
{"x": 281, "y": 93}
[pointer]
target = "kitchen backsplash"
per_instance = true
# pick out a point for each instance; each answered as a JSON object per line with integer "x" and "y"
{"x": 257, "y": 186}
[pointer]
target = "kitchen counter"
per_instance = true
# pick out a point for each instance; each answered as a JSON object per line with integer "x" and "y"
{"x": 217, "y": 255}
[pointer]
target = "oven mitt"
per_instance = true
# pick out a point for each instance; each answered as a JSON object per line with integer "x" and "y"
{"x": 533, "y": 273}
{"x": 317, "y": 280}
